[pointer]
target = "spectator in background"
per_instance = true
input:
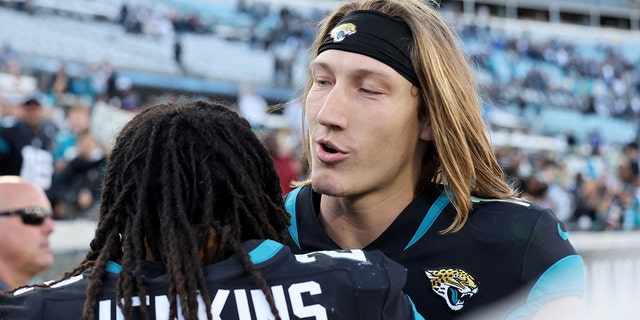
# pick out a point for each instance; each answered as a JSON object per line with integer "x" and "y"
{"x": 293, "y": 114}
{"x": 59, "y": 84}
{"x": 588, "y": 203}
{"x": 81, "y": 86}
{"x": 252, "y": 106}
{"x": 631, "y": 207}
{"x": 287, "y": 166}
{"x": 628, "y": 165}
{"x": 595, "y": 166}
{"x": 128, "y": 97}
{"x": 26, "y": 145}
{"x": 285, "y": 54}
{"x": 76, "y": 189}
{"x": 103, "y": 80}
{"x": 8, "y": 56}
{"x": 25, "y": 226}
{"x": 77, "y": 121}
{"x": 622, "y": 210}
{"x": 177, "y": 52}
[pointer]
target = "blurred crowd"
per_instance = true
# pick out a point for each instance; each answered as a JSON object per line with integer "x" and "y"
{"x": 592, "y": 185}
{"x": 599, "y": 76}
{"x": 280, "y": 32}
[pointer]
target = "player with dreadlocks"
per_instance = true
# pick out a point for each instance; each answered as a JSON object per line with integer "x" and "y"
{"x": 191, "y": 225}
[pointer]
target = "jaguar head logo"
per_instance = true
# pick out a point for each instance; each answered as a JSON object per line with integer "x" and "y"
{"x": 340, "y": 32}
{"x": 455, "y": 286}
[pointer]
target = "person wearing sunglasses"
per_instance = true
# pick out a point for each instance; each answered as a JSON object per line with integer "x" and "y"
{"x": 25, "y": 227}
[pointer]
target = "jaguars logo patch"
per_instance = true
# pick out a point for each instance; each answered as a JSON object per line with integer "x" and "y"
{"x": 455, "y": 286}
{"x": 342, "y": 31}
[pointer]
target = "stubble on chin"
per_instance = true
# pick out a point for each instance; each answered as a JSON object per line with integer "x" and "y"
{"x": 322, "y": 186}
{"x": 324, "y": 191}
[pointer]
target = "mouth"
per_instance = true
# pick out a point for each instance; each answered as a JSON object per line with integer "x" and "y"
{"x": 328, "y": 153}
{"x": 327, "y": 148}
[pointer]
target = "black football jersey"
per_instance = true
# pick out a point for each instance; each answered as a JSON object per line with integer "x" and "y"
{"x": 510, "y": 257}
{"x": 343, "y": 284}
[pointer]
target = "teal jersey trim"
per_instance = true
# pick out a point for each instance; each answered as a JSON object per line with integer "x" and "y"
{"x": 563, "y": 234}
{"x": 564, "y": 278}
{"x": 290, "y": 206}
{"x": 416, "y": 314}
{"x": 432, "y": 215}
{"x": 265, "y": 251}
{"x": 113, "y": 267}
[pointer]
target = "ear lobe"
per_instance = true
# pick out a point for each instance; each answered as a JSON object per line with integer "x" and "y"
{"x": 426, "y": 132}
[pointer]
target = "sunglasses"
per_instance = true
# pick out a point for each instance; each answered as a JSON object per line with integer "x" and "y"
{"x": 32, "y": 216}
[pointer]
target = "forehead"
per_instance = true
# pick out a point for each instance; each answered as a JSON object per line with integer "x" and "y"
{"x": 20, "y": 195}
{"x": 338, "y": 60}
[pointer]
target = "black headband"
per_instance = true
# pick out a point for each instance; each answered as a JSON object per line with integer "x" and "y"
{"x": 376, "y": 35}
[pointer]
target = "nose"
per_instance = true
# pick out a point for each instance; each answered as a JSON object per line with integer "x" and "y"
{"x": 48, "y": 226}
{"x": 335, "y": 108}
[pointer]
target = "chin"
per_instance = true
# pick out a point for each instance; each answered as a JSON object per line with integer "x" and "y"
{"x": 325, "y": 191}
{"x": 47, "y": 261}
{"x": 327, "y": 185}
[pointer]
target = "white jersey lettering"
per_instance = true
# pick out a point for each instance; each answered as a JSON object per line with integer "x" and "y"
{"x": 258, "y": 303}
{"x": 355, "y": 255}
{"x": 242, "y": 302}
{"x": 218, "y": 303}
{"x": 261, "y": 305}
{"x": 297, "y": 305}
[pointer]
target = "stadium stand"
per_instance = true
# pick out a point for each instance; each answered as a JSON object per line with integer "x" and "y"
{"x": 540, "y": 77}
{"x": 561, "y": 81}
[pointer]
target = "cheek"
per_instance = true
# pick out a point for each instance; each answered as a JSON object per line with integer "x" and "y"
{"x": 399, "y": 136}
{"x": 16, "y": 241}
{"x": 312, "y": 104}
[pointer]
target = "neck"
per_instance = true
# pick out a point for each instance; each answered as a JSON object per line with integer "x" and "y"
{"x": 355, "y": 222}
{"x": 13, "y": 279}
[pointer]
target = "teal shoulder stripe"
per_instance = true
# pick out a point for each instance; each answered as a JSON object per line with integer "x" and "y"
{"x": 564, "y": 278}
{"x": 416, "y": 315}
{"x": 113, "y": 267}
{"x": 429, "y": 218}
{"x": 290, "y": 206}
{"x": 265, "y": 251}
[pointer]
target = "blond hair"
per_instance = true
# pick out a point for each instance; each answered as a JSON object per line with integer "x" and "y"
{"x": 461, "y": 156}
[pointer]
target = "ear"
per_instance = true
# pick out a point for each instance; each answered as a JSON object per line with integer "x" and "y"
{"x": 426, "y": 132}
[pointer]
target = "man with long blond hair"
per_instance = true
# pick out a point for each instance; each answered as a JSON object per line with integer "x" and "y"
{"x": 401, "y": 162}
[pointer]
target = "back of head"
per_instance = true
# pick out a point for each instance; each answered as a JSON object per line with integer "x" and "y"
{"x": 461, "y": 155}
{"x": 178, "y": 176}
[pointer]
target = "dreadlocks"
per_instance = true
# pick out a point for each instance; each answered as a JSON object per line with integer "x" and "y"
{"x": 178, "y": 175}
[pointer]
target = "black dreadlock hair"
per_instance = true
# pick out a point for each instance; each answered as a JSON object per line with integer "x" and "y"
{"x": 176, "y": 172}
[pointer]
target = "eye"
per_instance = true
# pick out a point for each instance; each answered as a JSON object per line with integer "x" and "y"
{"x": 368, "y": 91}
{"x": 321, "y": 81}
